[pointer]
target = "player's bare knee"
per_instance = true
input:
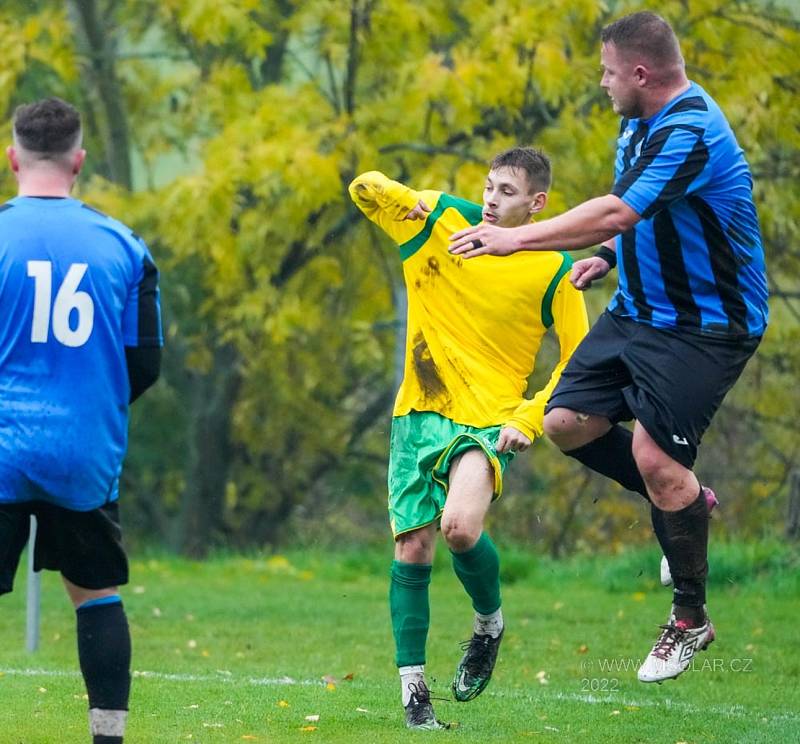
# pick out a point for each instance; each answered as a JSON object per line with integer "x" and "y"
{"x": 560, "y": 426}
{"x": 414, "y": 547}
{"x": 459, "y": 534}
{"x": 653, "y": 463}
{"x": 79, "y": 595}
{"x": 665, "y": 479}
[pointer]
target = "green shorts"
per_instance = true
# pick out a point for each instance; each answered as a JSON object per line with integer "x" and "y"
{"x": 422, "y": 447}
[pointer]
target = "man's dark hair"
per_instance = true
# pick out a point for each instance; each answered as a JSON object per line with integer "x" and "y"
{"x": 49, "y": 127}
{"x": 645, "y": 34}
{"x": 534, "y": 163}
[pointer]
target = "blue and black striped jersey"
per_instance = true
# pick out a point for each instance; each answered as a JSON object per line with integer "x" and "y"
{"x": 695, "y": 260}
{"x": 76, "y": 288}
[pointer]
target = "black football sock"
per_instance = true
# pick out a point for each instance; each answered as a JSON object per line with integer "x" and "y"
{"x": 612, "y": 455}
{"x": 683, "y": 535}
{"x": 104, "y": 651}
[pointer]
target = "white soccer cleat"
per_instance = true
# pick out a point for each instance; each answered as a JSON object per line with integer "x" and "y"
{"x": 711, "y": 502}
{"x": 675, "y": 649}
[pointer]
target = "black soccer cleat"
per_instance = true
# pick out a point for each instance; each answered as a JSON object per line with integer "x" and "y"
{"x": 476, "y": 666}
{"x": 419, "y": 711}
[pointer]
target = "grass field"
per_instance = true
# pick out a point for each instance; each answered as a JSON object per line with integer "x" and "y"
{"x": 298, "y": 648}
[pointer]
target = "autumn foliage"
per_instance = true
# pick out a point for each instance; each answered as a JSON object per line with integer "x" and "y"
{"x": 226, "y": 134}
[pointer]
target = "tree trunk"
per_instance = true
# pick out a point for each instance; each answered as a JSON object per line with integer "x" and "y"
{"x": 97, "y": 39}
{"x": 793, "y": 515}
{"x": 200, "y": 521}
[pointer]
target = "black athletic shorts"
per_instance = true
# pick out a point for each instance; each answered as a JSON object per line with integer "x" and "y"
{"x": 86, "y": 547}
{"x": 671, "y": 381}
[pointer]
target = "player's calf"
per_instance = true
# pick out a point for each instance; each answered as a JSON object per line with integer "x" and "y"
{"x": 711, "y": 502}
{"x": 104, "y": 652}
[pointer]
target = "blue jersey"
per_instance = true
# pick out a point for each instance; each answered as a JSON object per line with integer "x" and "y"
{"x": 76, "y": 288}
{"x": 695, "y": 260}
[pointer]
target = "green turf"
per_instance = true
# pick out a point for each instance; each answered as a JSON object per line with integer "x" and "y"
{"x": 243, "y": 649}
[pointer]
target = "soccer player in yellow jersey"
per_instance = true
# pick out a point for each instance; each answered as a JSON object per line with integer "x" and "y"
{"x": 474, "y": 328}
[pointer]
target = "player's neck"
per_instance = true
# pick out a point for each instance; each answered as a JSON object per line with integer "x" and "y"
{"x": 664, "y": 96}
{"x": 44, "y": 184}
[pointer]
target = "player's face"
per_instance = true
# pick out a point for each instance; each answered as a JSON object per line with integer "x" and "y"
{"x": 507, "y": 198}
{"x": 621, "y": 80}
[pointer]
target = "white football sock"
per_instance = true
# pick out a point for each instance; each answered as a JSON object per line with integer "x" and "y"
{"x": 410, "y": 675}
{"x": 491, "y": 625}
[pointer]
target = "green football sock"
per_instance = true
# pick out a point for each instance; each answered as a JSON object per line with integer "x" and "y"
{"x": 479, "y": 571}
{"x": 411, "y": 614}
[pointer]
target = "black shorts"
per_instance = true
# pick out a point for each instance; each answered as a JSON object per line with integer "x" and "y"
{"x": 85, "y": 547}
{"x": 672, "y": 382}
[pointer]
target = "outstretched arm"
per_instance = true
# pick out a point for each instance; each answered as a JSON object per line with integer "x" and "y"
{"x": 590, "y": 223}
{"x": 394, "y": 207}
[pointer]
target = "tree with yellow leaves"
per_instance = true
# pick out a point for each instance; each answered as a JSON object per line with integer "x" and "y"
{"x": 245, "y": 121}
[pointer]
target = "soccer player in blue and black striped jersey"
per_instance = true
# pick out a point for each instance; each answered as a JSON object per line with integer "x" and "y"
{"x": 689, "y": 311}
{"x": 80, "y": 338}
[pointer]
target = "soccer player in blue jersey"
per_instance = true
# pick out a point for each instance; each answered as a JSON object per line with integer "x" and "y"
{"x": 80, "y": 339}
{"x": 689, "y": 311}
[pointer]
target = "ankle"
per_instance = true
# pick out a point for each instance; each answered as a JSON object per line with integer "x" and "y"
{"x": 491, "y": 625}
{"x": 410, "y": 678}
{"x": 694, "y": 617}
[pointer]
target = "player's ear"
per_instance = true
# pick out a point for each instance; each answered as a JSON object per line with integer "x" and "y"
{"x": 13, "y": 159}
{"x": 538, "y": 202}
{"x": 77, "y": 161}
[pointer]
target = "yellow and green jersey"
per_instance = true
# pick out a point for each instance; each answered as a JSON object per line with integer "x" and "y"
{"x": 474, "y": 326}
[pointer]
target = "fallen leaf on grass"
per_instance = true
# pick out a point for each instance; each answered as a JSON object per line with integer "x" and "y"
{"x": 348, "y": 676}
{"x": 283, "y": 704}
{"x": 308, "y": 728}
{"x": 583, "y": 648}
{"x": 249, "y": 737}
{"x": 330, "y": 687}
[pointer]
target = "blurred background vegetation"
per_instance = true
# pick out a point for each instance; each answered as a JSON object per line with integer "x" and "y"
{"x": 225, "y": 133}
